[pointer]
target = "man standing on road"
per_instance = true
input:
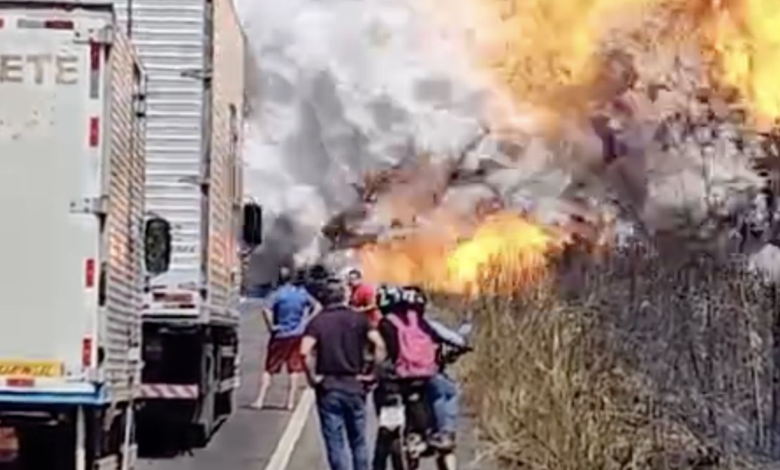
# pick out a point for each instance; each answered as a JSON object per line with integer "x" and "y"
{"x": 285, "y": 316}
{"x": 362, "y": 296}
{"x": 334, "y": 348}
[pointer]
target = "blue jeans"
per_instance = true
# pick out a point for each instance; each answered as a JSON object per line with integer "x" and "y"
{"x": 341, "y": 413}
{"x": 444, "y": 396}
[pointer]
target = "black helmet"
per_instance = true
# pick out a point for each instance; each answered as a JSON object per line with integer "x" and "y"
{"x": 318, "y": 271}
{"x": 388, "y": 298}
{"x": 414, "y": 298}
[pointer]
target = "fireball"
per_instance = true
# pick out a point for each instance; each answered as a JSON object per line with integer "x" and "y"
{"x": 572, "y": 58}
{"x": 503, "y": 252}
{"x": 746, "y": 36}
{"x": 513, "y": 247}
{"x": 545, "y": 53}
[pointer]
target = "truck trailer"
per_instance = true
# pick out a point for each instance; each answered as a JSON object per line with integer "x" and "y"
{"x": 71, "y": 258}
{"x": 193, "y": 53}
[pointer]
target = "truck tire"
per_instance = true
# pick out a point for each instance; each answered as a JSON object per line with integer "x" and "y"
{"x": 202, "y": 430}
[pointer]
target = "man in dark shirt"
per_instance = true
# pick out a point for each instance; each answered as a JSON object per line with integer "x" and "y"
{"x": 334, "y": 346}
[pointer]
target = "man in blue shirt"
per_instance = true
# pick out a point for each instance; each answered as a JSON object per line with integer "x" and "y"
{"x": 286, "y": 314}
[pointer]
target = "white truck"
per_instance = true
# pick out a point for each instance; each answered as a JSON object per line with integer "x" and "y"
{"x": 71, "y": 258}
{"x": 193, "y": 53}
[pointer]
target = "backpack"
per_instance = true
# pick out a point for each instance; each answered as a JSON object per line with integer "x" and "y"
{"x": 417, "y": 351}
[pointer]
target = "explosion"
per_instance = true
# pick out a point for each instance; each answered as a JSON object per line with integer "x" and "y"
{"x": 746, "y": 34}
{"x": 507, "y": 245}
{"x": 543, "y": 52}
{"x": 546, "y": 52}
{"x": 511, "y": 244}
{"x": 605, "y": 61}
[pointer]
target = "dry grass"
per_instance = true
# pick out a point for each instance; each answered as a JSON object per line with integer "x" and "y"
{"x": 630, "y": 363}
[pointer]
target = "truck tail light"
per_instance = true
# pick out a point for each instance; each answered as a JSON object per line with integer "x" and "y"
{"x": 89, "y": 273}
{"x": 58, "y": 24}
{"x": 94, "y": 132}
{"x": 2, "y": 22}
{"x": 94, "y": 57}
{"x": 86, "y": 352}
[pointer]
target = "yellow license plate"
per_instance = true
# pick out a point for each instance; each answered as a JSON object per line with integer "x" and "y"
{"x": 31, "y": 368}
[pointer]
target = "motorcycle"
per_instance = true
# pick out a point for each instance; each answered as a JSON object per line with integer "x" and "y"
{"x": 406, "y": 418}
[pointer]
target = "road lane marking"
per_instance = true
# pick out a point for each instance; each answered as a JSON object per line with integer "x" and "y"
{"x": 292, "y": 433}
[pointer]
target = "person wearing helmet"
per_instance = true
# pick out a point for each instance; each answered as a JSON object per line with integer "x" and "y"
{"x": 388, "y": 298}
{"x": 441, "y": 389}
{"x": 399, "y": 304}
{"x": 362, "y": 296}
{"x": 406, "y": 369}
{"x": 414, "y": 299}
{"x": 388, "y": 301}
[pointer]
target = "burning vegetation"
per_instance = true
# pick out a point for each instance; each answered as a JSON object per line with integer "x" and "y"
{"x": 652, "y": 114}
{"x": 617, "y": 200}
{"x": 453, "y": 262}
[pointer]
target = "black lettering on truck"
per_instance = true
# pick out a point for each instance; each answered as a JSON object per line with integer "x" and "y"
{"x": 11, "y": 67}
{"x": 37, "y": 68}
{"x": 66, "y": 70}
{"x": 37, "y": 61}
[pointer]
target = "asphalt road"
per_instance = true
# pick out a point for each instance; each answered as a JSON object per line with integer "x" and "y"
{"x": 308, "y": 453}
{"x": 272, "y": 439}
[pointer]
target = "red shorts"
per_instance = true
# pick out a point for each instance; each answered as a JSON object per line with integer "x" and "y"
{"x": 283, "y": 351}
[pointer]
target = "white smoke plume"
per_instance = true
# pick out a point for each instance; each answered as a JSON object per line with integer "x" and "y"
{"x": 341, "y": 87}
{"x": 345, "y": 86}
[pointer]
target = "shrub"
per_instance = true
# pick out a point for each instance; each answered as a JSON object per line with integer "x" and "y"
{"x": 634, "y": 361}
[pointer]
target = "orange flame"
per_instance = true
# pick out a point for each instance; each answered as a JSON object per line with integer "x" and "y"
{"x": 548, "y": 55}
{"x": 549, "y": 47}
{"x": 544, "y": 53}
{"x": 505, "y": 243}
{"x": 746, "y": 35}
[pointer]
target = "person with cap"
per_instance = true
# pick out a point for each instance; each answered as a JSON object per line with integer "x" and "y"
{"x": 362, "y": 296}
{"x": 333, "y": 347}
{"x": 286, "y": 313}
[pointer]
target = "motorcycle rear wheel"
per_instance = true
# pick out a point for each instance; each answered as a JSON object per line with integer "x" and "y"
{"x": 398, "y": 454}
